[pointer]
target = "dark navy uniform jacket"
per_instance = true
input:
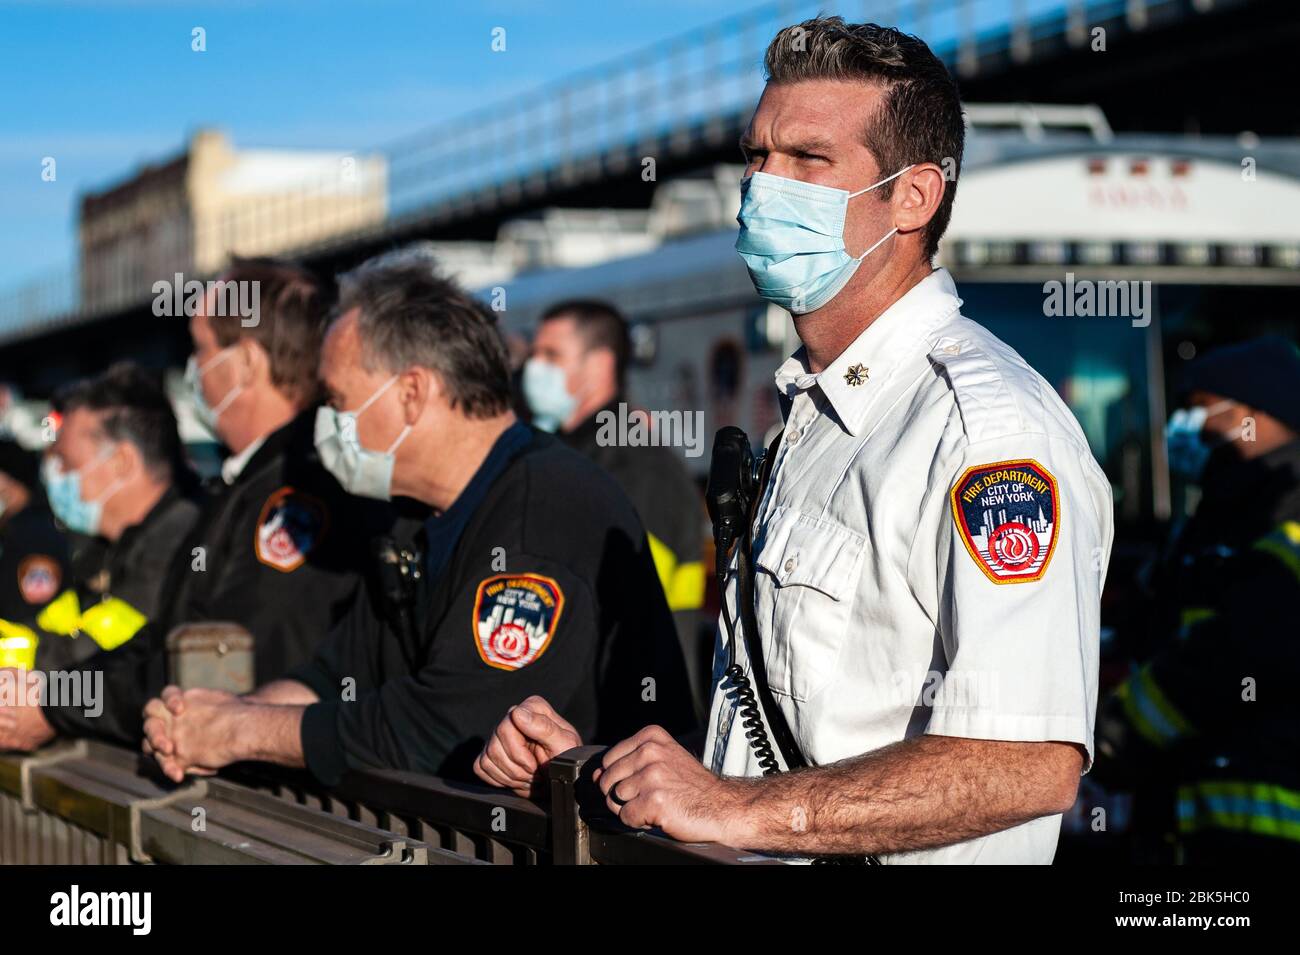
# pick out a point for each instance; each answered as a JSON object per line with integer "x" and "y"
{"x": 538, "y": 580}
{"x": 280, "y": 551}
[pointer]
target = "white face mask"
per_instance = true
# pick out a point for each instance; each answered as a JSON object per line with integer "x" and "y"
{"x": 792, "y": 239}
{"x": 359, "y": 470}
{"x": 547, "y": 396}
{"x": 194, "y": 372}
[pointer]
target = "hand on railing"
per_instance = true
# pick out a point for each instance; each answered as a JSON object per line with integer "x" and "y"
{"x": 181, "y": 733}
{"x": 23, "y": 726}
{"x": 530, "y": 736}
{"x": 651, "y": 781}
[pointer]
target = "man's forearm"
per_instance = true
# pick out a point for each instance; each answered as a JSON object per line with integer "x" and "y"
{"x": 269, "y": 733}
{"x": 920, "y": 793}
{"x": 283, "y": 693}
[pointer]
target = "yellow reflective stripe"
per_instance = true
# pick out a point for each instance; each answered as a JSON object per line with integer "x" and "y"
{"x": 683, "y": 584}
{"x": 1150, "y": 711}
{"x": 62, "y": 615}
{"x": 687, "y": 591}
{"x": 1259, "y": 808}
{"x": 17, "y": 645}
{"x": 665, "y": 560}
{"x": 112, "y": 622}
{"x": 1284, "y": 544}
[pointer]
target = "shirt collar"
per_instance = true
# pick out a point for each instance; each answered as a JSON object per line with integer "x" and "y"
{"x": 234, "y": 465}
{"x": 852, "y": 379}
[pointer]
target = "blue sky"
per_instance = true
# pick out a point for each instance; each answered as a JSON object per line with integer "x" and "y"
{"x": 106, "y": 86}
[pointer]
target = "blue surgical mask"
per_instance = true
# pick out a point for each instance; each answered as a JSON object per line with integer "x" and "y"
{"x": 63, "y": 489}
{"x": 792, "y": 239}
{"x": 194, "y": 373}
{"x": 359, "y": 470}
{"x": 547, "y": 396}
{"x": 1188, "y": 449}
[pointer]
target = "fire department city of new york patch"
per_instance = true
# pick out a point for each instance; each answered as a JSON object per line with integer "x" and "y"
{"x": 289, "y": 526}
{"x": 1007, "y": 515}
{"x": 515, "y": 616}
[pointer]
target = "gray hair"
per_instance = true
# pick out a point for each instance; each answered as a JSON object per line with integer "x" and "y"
{"x": 411, "y": 316}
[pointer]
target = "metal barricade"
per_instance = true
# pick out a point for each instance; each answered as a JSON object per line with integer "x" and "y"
{"x": 90, "y": 803}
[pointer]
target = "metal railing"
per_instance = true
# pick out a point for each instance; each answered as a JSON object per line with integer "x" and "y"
{"x": 598, "y": 122}
{"x": 90, "y": 803}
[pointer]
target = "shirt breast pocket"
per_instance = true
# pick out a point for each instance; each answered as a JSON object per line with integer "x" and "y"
{"x": 808, "y": 580}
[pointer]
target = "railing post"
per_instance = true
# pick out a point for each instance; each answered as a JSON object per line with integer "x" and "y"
{"x": 570, "y": 844}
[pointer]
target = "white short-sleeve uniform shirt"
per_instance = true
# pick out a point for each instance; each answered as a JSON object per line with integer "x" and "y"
{"x": 930, "y": 552}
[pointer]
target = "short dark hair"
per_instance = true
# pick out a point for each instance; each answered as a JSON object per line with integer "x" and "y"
{"x": 920, "y": 119}
{"x": 292, "y": 305}
{"x": 135, "y": 409}
{"x": 601, "y": 326}
{"x": 410, "y": 315}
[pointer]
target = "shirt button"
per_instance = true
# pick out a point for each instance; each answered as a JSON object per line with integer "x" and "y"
{"x": 792, "y": 436}
{"x": 789, "y": 565}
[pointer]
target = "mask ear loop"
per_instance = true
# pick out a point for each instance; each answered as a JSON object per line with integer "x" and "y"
{"x": 400, "y": 438}
{"x": 887, "y": 235}
{"x": 113, "y": 488}
{"x": 892, "y": 232}
{"x": 214, "y": 361}
{"x": 371, "y": 400}
{"x": 882, "y": 182}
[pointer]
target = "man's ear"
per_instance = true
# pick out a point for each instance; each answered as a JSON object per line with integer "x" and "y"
{"x": 126, "y": 457}
{"x": 254, "y": 362}
{"x": 416, "y": 387}
{"x": 918, "y": 196}
{"x": 600, "y": 366}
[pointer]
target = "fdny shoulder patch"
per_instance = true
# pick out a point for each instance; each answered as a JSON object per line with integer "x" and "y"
{"x": 1007, "y": 515}
{"x": 39, "y": 578}
{"x": 515, "y": 616}
{"x": 291, "y": 523}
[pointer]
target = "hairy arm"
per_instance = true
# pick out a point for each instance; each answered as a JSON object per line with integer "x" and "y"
{"x": 268, "y": 732}
{"x": 917, "y": 794}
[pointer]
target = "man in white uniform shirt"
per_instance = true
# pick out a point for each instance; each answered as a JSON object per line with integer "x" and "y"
{"x": 932, "y": 541}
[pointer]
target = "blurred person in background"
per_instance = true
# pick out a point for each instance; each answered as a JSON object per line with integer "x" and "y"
{"x": 278, "y": 547}
{"x": 532, "y": 575}
{"x": 116, "y": 471}
{"x": 1207, "y": 731}
{"x": 574, "y": 380}
{"x": 33, "y": 555}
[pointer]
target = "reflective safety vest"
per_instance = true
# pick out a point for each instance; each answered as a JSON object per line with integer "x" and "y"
{"x": 683, "y": 581}
{"x": 17, "y": 645}
{"x": 1258, "y": 806}
{"x": 110, "y": 623}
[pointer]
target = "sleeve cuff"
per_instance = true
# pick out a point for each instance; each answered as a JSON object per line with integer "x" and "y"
{"x": 315, "y": 679}
{"x": 322, "y": 750}
{"x": 1019, "y": 728}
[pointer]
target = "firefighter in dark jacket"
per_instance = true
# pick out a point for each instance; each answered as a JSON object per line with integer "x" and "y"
{"x": 1207, "y": 732}
{"x": 114, "y": 472}
{"x": 276, "y": 548}
{"x": 33, "y": 555}
{"x": 574, "y": 385}
{"x": 532, "y": 576}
